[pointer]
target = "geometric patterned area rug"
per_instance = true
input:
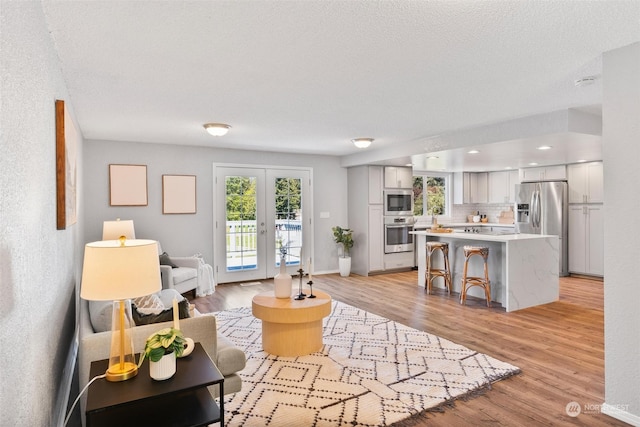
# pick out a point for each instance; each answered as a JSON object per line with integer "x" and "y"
{"x": 371, "y": 371}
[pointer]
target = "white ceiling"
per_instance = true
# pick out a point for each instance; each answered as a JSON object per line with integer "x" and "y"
{"x": 307, "y": 76}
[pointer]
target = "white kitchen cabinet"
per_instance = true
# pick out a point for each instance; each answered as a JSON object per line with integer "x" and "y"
{"x": 375, "y": 184}
{"x": 376, "y": 238}
{"x": 586, "y": 182}
{"x": 547, "y": 173}
{"x": 470, "y": 187}
{"x": 478, "y": 187}
{"x": 502, "y": 186}
{"x": 586, "y": 239}
{"x": 366, "y": 218}
{"x": 398, "y": 177}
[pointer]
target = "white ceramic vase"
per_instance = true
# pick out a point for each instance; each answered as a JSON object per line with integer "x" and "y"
{"x": 164, "y": 368}
{"x": 344, "y": 266}
{"x": 282, "y": 281}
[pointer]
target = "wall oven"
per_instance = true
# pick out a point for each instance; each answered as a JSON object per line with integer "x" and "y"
{"x": 396, "y": 234}
{"x": 398, "y": 202}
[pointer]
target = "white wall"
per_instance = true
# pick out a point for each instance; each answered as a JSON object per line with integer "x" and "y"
{"x": 185, "y": 235}
{"x": 621, "y": 154}
{"x": 39, "y": 266}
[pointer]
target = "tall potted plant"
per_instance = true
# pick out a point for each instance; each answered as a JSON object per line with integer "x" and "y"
{"x": 344, "y": 237}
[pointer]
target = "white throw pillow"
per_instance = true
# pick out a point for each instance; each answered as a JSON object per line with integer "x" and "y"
{"x": 149, "y": 304}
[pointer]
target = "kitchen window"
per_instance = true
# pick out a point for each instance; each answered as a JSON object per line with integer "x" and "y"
{"x": 432, "y": 194}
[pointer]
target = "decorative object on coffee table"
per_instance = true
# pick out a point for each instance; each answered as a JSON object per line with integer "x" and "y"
{"x": 282, "y": 281}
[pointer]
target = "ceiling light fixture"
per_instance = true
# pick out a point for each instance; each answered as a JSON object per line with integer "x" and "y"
{"x": 533, "y": 164}
{"x": 217, "y": 129}
{"x": 432, "y": 157}
{"x": 473, "y": 152}
{"x": 362, "y": 142}
{"x": 545, "y": 147}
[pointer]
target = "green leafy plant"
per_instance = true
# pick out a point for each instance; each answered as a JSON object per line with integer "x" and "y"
{"x": 344, "y": 237}
{"x": 163, "y": 342}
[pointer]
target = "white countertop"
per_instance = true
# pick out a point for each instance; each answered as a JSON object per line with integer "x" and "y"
{"x": 483, "y": 237}
{"x": 464, "y": 224}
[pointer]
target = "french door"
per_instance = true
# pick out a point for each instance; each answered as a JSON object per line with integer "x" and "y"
{"x": 259, "y": 214}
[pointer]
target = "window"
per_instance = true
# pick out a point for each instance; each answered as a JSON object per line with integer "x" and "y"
{"x": 431, "y": 194}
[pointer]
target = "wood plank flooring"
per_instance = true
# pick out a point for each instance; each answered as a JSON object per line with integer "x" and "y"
{"x": 558, "y": 346}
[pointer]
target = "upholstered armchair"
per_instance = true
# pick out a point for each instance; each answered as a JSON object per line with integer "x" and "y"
{"x": 179, "y": 273}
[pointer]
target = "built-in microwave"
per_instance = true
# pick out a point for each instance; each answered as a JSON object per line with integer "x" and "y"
{"x": 398, "y": 202}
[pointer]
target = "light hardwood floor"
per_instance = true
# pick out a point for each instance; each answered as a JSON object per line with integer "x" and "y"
{"x": 558, "y": 346}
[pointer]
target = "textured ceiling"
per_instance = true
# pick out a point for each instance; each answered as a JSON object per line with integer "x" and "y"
{"x": 307, "y": 76}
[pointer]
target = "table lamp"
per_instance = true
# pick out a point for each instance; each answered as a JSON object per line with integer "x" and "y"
{"x": 116, "y": 270}
{"x": 112, "y": 230}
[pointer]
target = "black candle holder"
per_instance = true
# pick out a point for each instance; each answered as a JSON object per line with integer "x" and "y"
{"x": 310, "y": 283}
{"x": 300, "y": 295}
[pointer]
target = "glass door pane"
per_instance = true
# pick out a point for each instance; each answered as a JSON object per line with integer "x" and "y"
{"x": 288, "y": 220}
{"x": 240, "y": 223}
{"x": 239, "y": 228}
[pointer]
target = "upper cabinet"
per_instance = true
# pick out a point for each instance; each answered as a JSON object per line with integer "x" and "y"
{"x": 586, "y": 183}
{"x": 398, "y": 177}
{"x": 470, "y": 187}
{"x": 375, "y": 185}
{"x": 502, "y": 186}
{"x": 547, "y": 173}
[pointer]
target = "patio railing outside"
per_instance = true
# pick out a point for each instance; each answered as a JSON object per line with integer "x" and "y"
{"x": 242, "y": 239}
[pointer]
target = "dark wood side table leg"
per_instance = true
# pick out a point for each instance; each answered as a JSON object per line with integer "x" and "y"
{"x": 222, "y": 404}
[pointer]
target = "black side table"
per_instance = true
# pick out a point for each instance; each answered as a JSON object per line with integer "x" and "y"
{"x": 182, "y": 400}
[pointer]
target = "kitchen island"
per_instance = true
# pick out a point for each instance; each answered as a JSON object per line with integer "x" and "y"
{"x": 523, "y": 268}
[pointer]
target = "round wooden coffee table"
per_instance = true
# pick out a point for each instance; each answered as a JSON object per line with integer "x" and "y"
{"x": 291, "y": 327}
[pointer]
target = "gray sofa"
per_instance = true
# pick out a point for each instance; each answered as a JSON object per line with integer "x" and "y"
{"x": 202, "y": 328}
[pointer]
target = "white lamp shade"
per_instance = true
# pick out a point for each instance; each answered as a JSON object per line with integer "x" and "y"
{"x": 112, "y": 230}
{"x": 115, "y": 272}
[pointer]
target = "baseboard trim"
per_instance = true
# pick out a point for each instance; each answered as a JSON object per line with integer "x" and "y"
{"x": 62, "y": 401}
{"x": 616, "y": 412}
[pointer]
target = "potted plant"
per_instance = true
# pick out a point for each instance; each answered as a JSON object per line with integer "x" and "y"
{"x": 344, "y": 237}
{"x": 162, "y": 348}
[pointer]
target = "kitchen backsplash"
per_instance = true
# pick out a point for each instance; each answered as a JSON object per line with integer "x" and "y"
{"x": 492, "y": 211}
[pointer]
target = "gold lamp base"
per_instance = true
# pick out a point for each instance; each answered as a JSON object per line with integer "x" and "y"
{"x": 115, "y": 373}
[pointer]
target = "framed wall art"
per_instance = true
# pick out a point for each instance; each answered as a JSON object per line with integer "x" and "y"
{"x": 128, "y": 185}
{"x": 178, "y": 194}
{"x": 67, "y": 140}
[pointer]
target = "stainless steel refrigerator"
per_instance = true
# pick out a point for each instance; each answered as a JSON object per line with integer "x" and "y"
{"x": 541, "y": 208}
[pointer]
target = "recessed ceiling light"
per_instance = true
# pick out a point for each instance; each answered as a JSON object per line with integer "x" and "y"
{"x": 473, "y": 152}
{"x": 432, "y": 157}
{"x": 581, "y": 161}
{"x": 217, "y": 129}
{"x": 409, "y": 165}
{"x": 533, "y": 164}
{"x": 544, "y": 147}
{"x": 362, "y": 142}
{"x": 508, "y": 167}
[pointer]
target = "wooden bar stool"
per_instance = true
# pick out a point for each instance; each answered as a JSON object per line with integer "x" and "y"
{"x": 471, "y": 281}
{"x": 431, "y": 272}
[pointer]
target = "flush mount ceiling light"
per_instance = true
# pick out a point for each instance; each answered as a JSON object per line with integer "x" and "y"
{"x": 362, "y": 142}
{"x": 544, "y": 147}
{"x": 217, "y": 129}
{"x": 473, "y": 152}
{"x": 533, "y": 164}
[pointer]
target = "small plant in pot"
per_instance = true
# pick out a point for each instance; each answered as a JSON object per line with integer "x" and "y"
{"x": 162, "y": 348}
{"x": 344, "y": 237}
